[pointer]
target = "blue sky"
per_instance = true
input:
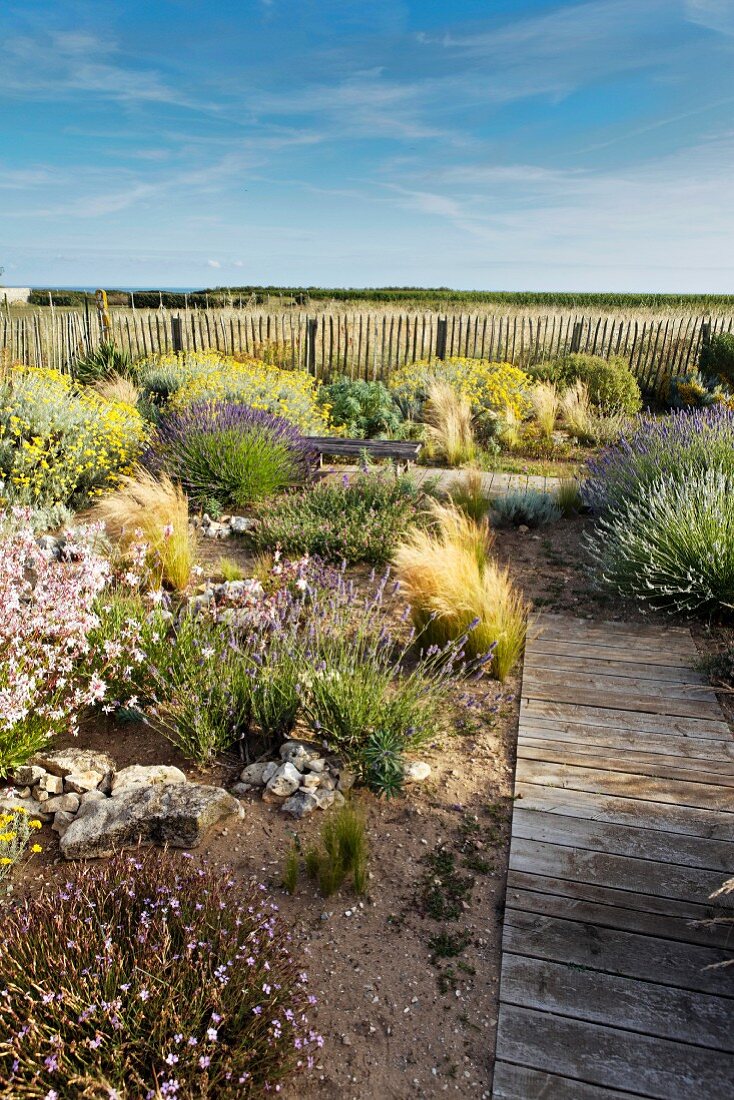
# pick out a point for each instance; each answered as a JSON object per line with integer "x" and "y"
{"x": 497, "y": 145}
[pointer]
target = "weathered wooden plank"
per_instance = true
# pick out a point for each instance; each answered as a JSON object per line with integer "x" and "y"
{"x": 648, "y": 876}
{"x": 645, "y": 1007}
{"x": 572, "y": 626}
{"x": 588, "y": 640}
{"x": 611, "y": 696}
{"x": 621, "y": 908}
{"x": 622, "y": 840}
{"x": 673, "y": 791}
{"x": 693, "y": 750}
{"x": 513, "y": 1082}
{"x": 619, "y": 718}
{"x": 687, "y": 820}
{"x": 608, "y": 682}
{"x": 644, "y": 653}
{"x": 641, "y": 1064}
{"x": 626, "y": 954}
{"x": 586, "y": 664}
{"x": 632, "y": 763}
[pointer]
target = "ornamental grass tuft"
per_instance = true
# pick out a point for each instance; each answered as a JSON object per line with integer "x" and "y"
{"x": 150, "y": 519}
{"x": 455, "y": 587}
{"x": 449, "y": 431}
{"x": 149, "y": 977}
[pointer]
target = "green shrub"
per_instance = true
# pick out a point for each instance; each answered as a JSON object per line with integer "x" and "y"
{"x": 717, "y": 359}
{"x": 610, "y": 383}
{"x": 525, "y": 506}
{"x": 147, "y": 976}
{"x": 357, "y": 518}
{"x": 673, "y": 546}
{"x": 363, "y": 409}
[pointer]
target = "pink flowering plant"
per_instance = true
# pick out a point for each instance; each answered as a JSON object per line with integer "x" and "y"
{"x": 47, "y": 612}
{"x": 145, "y": 978}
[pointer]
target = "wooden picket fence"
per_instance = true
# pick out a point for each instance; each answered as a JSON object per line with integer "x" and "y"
{"x": 367, "y": 344}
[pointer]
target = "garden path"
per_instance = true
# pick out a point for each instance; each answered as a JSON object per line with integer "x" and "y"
{"x": 493, "y": 483}
{"x": 623, "y": 826}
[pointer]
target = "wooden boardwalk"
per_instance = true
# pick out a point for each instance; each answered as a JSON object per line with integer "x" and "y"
{"x": 623, "y": 826}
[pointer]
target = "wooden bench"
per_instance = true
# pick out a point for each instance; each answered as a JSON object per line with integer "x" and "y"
{"x": 403, "y": 452}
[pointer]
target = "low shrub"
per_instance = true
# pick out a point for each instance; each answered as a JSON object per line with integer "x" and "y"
{"x": 48, "y": 610}
{"x": 145, "y": 977}
{"x": 149, "y": 520}
{"x": 696, "y": 391}
{"x": 190, "y": 378}
{"x": 355, "y": 518}
{"x": 449, "y": 430}
{"x": 525, "y": 506}
{"x": 228, "y": 452}
{"x": 671, "y": 547}
{"x": 103, "y": 362}
{"x": 363, "y": 410}
{"x": 60, "y": 444}
{"x": 610, "y": 383}
{"x": 492, "y": 389}
{"x": 456, "y": 589}
{"x": 717, "y": 359}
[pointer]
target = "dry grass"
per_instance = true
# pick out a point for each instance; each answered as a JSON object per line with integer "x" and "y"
{"x": 467, "y": 493}
{"x": 451, "y": 582}
{"x": 449, "y": 425}
{"x": 584, "y": 423}
{"x": 157, "y": 513}
{"x": 545, "y": 401}
{"x": 118, "y": 388}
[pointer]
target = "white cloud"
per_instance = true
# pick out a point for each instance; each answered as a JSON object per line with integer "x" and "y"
{"x": 716, "y": 15}
{"x": 213, "y": 263}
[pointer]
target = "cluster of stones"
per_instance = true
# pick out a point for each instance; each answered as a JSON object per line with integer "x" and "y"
{"x": 98, "y": 810}
{"x": 223, "y": 527}
{"x": 303, "y": 780}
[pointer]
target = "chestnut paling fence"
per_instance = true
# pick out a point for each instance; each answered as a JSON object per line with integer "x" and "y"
{"x": 367, "y": 344}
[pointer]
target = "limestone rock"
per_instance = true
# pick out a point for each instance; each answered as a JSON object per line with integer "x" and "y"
{"x": 80, "y": 782}
{"x": 62, "y": 821}
{"x": 39, "y": 795}
{"x": 72, "y": 761}
{"x": 283, "y": 783}
{"x": 175, "y": 813}
{"x": 301, "y": 803}
{"x": 239, "y": 525}
{"x": 63, "y": 803}
{"x": 416, "y": 771}
{"x": 241, "y": 790}
{"x": 297, "y": 753}
{"x": 27, "y": 775}
{"x": 253, "y": 774}
{"x": 91, "y": 796}
{"x": 269, "y": 771}
{"x": 311, "y": 781}
{"x": 141, "y": 775}
{"x": 13, "y": 801}
{"x": 54, "y": 784}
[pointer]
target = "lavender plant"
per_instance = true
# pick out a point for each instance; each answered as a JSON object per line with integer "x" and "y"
{"x": 149, "y": 978}
{"x": 229, "y": 452}
{"x": 681, "y": 447}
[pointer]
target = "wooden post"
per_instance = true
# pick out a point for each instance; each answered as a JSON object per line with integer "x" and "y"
{"x": 705, "y": 334}
{"x": 576, "y": 336}
{"x": 312, "y": 325}
{"x": 441, "y": 331}
{"x": 176, "y": 334}
{"x": 104, "y": 314}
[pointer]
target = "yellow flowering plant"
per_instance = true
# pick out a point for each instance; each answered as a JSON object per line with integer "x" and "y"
{"x": 59, "y": 443}
{"x": 16, "y": 830}
{"x": 179, "y": 381}
{"x": 494, "y": 391}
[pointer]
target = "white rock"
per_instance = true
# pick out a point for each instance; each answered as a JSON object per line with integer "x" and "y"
{"x": 318, "y": 764}
{"x": 269, "y": 771}
{"x": 324, "y": 799}
{"x": 142, "y": 775}
{"x": 39, "y": 795}
{"x": 79, "y": 782}
{"x": 297, "y": 754}
{"x": 416, "y": 771}
{"x": 71, "y": 761}
{"x": 286, "y": 780}
{"x": 239, "y": 525}
{"x": 91, "y": 796}
{"x": 253, "y": 773}
{"x": 62, "y": 821}
{"x": 54, "y": 784}
{"x": 241, "y": 790}
{"x": 63, "y": 803}
{"x": 311, "y": 781}
{"x": 300, "y": 804}
{"x": 12, "y": 801}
